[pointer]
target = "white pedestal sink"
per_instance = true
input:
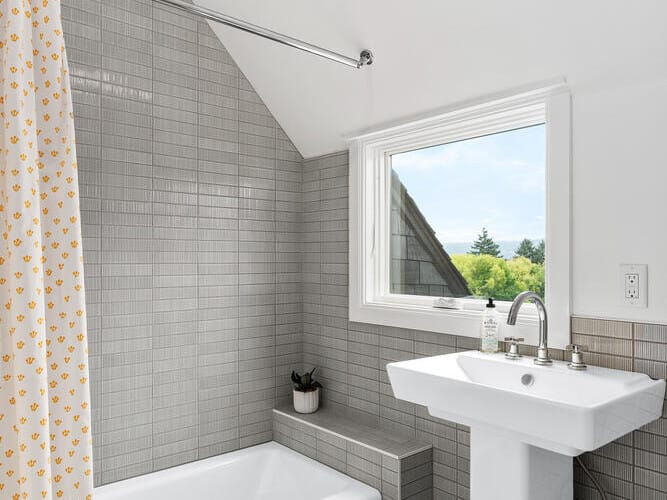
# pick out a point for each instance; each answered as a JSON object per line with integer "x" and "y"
{"x": 527, "y": 421}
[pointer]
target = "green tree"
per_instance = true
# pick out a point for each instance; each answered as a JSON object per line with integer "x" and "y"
{"x": 489, "y": 276}
{"x": 534, "y": 253}
{"x": 538, "y": 254}
{"x": 485, "y": 245}
{"x": 527, "y": 275}
{"x": 526, "y": 249}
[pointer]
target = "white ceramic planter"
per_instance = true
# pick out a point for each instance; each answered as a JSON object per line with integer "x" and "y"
{"x": 306, "y": 402}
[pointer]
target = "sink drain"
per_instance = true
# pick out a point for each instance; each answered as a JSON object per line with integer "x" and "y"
{"x": 527, "y": 379}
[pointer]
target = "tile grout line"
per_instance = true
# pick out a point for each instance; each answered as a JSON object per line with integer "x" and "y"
{"x": 101, "y": 285}
{"x": 275, "y": 267}
{"x": 633, "y": 471}
{"x": 152, "y": 319}
{"x": 197, "y": 239}
{"x": 238, "y": 259}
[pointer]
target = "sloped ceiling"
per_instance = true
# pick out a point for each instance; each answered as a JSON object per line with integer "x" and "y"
{"x": 431, "y": 54}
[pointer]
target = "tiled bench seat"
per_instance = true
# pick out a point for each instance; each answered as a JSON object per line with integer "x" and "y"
{"x": 397, "y": 465}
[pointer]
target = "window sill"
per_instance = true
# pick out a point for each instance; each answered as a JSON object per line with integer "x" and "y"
{"x": 462, "y": 322}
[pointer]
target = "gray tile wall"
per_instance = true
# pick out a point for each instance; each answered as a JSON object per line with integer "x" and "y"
{"x": 352, "y": 358}
{"x": 191, "y": 202}
{"x": 635, "y": 466}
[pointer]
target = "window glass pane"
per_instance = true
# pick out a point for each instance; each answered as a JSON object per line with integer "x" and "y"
{"x": 468, "y": 218}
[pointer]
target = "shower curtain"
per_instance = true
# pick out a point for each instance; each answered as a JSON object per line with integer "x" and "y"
{"x": 45, "y": 436}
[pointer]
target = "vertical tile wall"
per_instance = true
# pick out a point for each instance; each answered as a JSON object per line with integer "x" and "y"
{"x": 635, "y": 466}
{"x": 352, "y": 358}
{"x": 191, "y": 202}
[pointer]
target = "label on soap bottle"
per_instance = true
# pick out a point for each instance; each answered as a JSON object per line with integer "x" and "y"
{"x": 489, "y": 333}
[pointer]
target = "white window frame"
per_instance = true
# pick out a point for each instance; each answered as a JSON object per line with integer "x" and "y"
{"x": 370, "y": 201}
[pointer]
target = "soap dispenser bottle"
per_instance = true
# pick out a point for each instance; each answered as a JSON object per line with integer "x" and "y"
{"x": 489, "y": 328}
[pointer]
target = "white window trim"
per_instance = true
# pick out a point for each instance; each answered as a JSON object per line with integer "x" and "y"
{"x": 370, "y": 300}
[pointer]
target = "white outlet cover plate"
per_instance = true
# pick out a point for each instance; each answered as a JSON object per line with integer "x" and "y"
{"x": 639, "y": 296}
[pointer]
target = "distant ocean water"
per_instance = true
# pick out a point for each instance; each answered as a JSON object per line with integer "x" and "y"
{"x": 507, "y": 248}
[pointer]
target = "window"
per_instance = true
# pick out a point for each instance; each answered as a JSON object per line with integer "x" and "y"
{"x": 468, "y": 217}
{"x": 469, "y": 204}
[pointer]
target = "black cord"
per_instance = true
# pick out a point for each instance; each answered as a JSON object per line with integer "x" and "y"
{"x": 603, "y": 495}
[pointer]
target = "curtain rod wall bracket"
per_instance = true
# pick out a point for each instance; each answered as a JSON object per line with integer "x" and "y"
{"x": 365, "y": 57}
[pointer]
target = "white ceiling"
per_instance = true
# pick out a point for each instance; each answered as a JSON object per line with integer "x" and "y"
{"x": 431, "y": 54}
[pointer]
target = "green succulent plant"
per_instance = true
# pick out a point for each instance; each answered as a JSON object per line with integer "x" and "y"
{"x": 305, "y": 382}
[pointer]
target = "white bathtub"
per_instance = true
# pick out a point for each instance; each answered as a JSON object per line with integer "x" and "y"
{"x": 268, "y": 471}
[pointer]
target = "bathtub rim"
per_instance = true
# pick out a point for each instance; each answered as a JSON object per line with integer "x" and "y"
{"x": 118, "y": 487}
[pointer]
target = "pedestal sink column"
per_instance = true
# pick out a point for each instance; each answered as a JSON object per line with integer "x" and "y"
{"x": 502, "y": 468}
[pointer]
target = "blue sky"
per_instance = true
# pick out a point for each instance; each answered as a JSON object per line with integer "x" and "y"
{"x": 496, "y": 181}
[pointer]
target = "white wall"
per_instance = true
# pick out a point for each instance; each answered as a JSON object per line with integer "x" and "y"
{"x": 431, "y": 55}
{"x": 619, "y": 197}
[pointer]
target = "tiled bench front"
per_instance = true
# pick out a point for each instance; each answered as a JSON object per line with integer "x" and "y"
{"x": 397, "y": 465}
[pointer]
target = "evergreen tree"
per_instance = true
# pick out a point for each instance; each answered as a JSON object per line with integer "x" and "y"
{"x": 485, "y": 245}
{"x": 538, "y": 254}
{"x": 534, "y": 253}
{"x": 526, "y": 249}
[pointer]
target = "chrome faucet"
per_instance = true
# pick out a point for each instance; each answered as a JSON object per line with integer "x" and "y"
{"x": 542, "y": 350}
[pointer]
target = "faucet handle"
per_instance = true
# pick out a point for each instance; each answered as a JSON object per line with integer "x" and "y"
{"x": 514, "y": 339}
{"x": 513, "y": 353}
{"x": 577, "y": 362}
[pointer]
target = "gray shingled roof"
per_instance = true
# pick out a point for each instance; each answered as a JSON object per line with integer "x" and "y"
{"x": 421, "y": 230}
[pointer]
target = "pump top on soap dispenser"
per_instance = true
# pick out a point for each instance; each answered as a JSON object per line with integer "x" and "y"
{"x": 489, "y": 328}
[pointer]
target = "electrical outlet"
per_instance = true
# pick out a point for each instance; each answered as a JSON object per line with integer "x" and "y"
{"x": 633, "y": 280}
{"x": 632, "y": 286}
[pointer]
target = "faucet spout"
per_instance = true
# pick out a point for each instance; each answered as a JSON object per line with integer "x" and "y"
{"x": 542, "y": 348}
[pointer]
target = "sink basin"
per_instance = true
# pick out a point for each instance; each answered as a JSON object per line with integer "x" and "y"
{"x": 527, "y": 419}
{"x": 552, "y": 407}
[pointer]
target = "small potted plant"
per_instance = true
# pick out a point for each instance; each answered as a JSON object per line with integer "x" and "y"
{"x": 306, "y": 392}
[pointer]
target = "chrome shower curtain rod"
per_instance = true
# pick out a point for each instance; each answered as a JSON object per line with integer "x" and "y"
{"x": 365, "y": 57}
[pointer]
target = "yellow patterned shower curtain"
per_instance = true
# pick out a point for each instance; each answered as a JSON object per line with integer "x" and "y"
{"x": 45, "y": 435}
